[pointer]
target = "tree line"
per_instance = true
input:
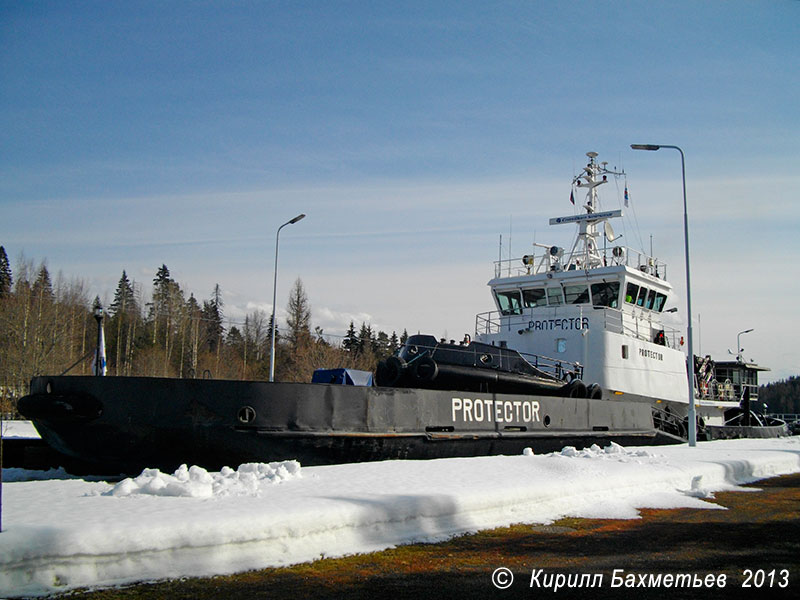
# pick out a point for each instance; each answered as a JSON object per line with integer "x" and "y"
{"x": 48, "y": 328}
{"x": 781, "y": 397}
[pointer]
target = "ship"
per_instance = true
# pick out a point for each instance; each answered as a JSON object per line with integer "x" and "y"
{"x": 575, "y": 352}
{"x": 604, "y": 305}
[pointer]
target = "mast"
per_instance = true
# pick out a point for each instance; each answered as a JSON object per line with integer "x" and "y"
{"x": 586, "y": 252}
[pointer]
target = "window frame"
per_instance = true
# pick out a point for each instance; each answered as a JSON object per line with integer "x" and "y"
{"x": 602, "y": 297}
{"x": 632, "y": 296}
{"x": 508, "y": 309}
{"x": 542, "y": 301}
{"x": 559, "y": 295}
{"x": 582, "y": 293}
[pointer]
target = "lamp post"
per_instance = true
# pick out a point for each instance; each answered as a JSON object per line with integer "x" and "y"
{"x": 99, "y": 366}
{"x": 739, "y": 344}
{"x": 274, "y": 297}
{"x": 692, "y": 414}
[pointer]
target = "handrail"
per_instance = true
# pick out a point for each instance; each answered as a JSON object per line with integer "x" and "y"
{"x": 546, "y": 262}
{"x": 615, "y": 320}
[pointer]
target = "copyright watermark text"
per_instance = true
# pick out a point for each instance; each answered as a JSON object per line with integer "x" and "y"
{"x": 502, "y": 578}
{"x": 757, "y": 579}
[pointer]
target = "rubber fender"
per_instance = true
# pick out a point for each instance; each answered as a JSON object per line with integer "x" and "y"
{"x": 424, "y": 369}
{"x": 575, "y": 389}
{"x": 594, "y": 391}
{"x": 393, "y": 371}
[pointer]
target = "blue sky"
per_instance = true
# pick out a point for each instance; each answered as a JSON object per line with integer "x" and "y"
{"x": 413, "y": 134}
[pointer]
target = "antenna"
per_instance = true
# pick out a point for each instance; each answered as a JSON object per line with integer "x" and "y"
{"x": 609, "y": 232}
{"x": 500, "y": 251}
{"x": 510, "y": 232}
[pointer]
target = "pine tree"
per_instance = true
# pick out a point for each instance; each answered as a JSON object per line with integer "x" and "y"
{"x": 382, "y": 345}
{"x": 166, "y": 316}
{"x": 161, "y": 284}
{"x": 236, "y": 340}
{"x": 212, "y": 322}
{"x": 123, "y": 311}
{"x": 124, "y": 297}
{"x": 6, "y": 280}
{"x": 350, "y": 343}
{"x": 295, "y": 355}
{"x": 365, "y": 339}
{"x": 298, "y": 318}
{"x": 42, "y": 286}
{"x": 161, "y": 281}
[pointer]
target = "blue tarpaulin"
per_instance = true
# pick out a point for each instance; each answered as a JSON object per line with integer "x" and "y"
{"x": 342, "y": 377}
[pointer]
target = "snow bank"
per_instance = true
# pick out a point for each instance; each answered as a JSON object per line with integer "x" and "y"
{"x": 196, "y": 482}
{"x": 61, "y": 534}
{"x": 18, "y": 430}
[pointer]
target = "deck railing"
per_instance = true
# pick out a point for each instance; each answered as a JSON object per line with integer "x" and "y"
{"x": 716, "y": 390}
{"x": 546, "y": 261}
{"x": 614, "y": 320}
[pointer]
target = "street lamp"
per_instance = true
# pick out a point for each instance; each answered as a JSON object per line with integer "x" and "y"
{"x": 99, "y": 364}
{"x": 692, "y": 414}
{"x": 274, "y": 297}
{"x": 739, "y": 344}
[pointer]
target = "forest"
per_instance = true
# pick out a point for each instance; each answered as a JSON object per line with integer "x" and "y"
{"x": 781, "y": 397}
{"x": 48, "y": 327}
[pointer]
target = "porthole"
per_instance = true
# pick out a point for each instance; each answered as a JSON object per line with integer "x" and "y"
{"x": 247, "y": 414}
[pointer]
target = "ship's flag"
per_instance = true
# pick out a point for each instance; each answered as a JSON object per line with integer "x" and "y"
{"x": 626, "y": 195}
{"x": 571, "y": 197}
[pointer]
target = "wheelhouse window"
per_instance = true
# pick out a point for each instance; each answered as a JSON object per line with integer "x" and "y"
{"x": 651, "y": 298}
{"x": 606, "y": 294}
{"x": 576, "y": 294}
{"x": 533, "y": 298}
{"x": 631, "y": 292}
{"x": 660, "y": 301}
{"x": 640, "y": 300}
{"x": 509, "y": 302}
{"x": 555, "y": 296}
{"x": 644, "y": 297}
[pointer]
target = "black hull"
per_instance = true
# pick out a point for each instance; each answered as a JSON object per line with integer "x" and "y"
{"x": 124, "y": 424}
{"x": 733, "y": 432}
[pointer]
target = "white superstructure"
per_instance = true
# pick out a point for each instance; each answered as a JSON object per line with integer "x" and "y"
{"x": 600, "y": 304}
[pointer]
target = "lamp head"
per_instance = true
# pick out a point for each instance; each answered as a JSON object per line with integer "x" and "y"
{"x": 645, "y": 147}
{"x": 297, "y": 218}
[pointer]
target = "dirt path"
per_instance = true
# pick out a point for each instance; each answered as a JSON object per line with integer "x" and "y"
{"x": 760, "y": 531}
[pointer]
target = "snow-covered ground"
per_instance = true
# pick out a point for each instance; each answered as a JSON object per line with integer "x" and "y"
{"x": 18, "y": 429}
{"x": 64, "y": 533}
